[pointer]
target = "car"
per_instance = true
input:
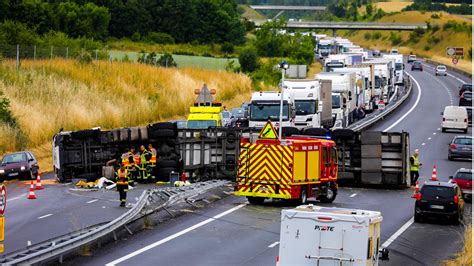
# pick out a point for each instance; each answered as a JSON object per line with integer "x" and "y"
{"x": 394, "y": 51}
{"x": 463, "y": 177}
{"x": 376, "y": 53}
{"x": 460, "y": 147}
{"x": 416, "y": 66}
{"x": 441, "y": 70}
{"x": 465, "y": 99}
{"x": 226, "y": 117}
{"x": 465, "y": 87}
{"x": 455, "y": 117}
{"x": 21, "y": 165}
{"x": 239, "y": 118}
{"x": 411, "y": 58}
{"x": 441, "y": 200}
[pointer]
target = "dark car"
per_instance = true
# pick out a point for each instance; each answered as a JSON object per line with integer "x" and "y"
{"x": 465, "y": 87}
{"x": 465, "y": 99}
{"x": 463, "y": 178}
{"x": 22, "y": 165}
{"x": 239, "y": 118}
{"x": 460, "y": 147}
{"x": 439, "y": 199}
{"x": 417, "y": 66}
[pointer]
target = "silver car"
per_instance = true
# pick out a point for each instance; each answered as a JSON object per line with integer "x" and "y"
{"x": 441, "y": 70}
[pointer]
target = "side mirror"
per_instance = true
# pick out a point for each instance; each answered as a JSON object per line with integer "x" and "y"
{"x": 451, "y": 177}
{"x": 30, "y": 160}
{"x": 383, "y": 254}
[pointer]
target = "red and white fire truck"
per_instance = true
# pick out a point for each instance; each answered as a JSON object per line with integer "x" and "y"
{"x": 294, "y": 168}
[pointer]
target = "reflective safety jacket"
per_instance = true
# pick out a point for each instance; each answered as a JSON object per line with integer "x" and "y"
{"x": 153, "y": 156}
{"x": 122, "y": 177}
{"x": 145, "y": 156}
{"x": 414, "y": 163}
{"x": 126, "y": 159}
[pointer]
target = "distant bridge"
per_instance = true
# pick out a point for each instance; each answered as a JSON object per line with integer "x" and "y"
{"x": 328, "y": 25}
{"x": 289, "y": 8}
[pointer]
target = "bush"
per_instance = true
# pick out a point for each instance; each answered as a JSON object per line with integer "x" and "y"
{"x": 6, "y": 115}
{"x": 159, "y": 38}
{"x": 167, "y": 60}
{"x": 395, "y": 39}
{"x": 434, "y": 40}
{"x": 84, "y": 58}
{"x": 427, "y": 47}
{"x": 248, "y": 60}
{"x": 434, "y": 28}
{"x": 17, "y": 33}
{"x": 436, "y": 16}
{"x": 376, "y": 35}
{"x": 227, "y": 48}
{"x": 136, "y": 37}
{"x": 367, "y": 36}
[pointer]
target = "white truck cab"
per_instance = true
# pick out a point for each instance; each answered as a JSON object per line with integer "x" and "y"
{"x": 314, "y": 235}
{"x": 399, "y": 67}
{"x": 265, "y": 105}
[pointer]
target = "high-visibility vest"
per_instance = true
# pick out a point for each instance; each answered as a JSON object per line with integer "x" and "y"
{"x": 143, "y": 156}
{"x": 136, "y": 159}
{"x": 153, "y": 155}
{"x": 122, "y": 177}
{"x": 125, "y": 159}
{"x": 416, "y": 163}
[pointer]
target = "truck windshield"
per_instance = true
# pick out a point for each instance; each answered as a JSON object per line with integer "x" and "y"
{"x": 378, "y": 82}
{"x": 263, "y": 111}
{"x": 336, "y": 101}
{"x": 305, "y": 107}
{"x": 398, "y": 66}
{"x": 201, "y": 124}
{"x": 324, "y": 47}
{"x": 333, "y": 65}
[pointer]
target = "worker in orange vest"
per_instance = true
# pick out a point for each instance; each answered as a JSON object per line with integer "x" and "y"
{"x": 125, "y": 161}
{"x": 136, "y": 166}
{"x": 122, "y": 184}
{"x": 152, "y": 162}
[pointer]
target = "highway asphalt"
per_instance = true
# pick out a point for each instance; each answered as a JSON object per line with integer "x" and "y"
{"x": 231, "y": 232}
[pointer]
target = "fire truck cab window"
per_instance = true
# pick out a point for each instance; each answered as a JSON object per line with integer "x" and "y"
{"x": 334, "y": 154}
{"x": 325, "y": 155}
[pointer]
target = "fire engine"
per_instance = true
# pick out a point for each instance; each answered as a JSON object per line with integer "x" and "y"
{"x": 294, "y": 168}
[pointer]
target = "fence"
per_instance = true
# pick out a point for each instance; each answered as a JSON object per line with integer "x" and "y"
{"x": 21, "y": 52}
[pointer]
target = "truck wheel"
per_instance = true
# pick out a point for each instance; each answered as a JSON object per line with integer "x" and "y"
{"x": 162, "y": 133}
{"x": 256, "y": 200}
{"x": 330, "y": 195}
{"x": 303, "y": 197}
{"x": 443, "y": 130}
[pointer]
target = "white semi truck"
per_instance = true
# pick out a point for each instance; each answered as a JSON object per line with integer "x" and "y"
{"x": 325, "y": 48}
{"x": 399, "y": 67}
{"x": 313, "y": 102}
{"x": 314, "y": 235}
{"x": 265, "y": 105}
{"x": 344, "y": 101}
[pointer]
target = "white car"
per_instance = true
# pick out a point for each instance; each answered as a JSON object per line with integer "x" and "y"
{"x": 411, "y": 58}
{"x": 454, "y": 117}
{"x": 441, "y": 70}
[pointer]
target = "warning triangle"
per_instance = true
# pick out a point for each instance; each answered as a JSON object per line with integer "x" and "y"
{"x": 268, "y": 132}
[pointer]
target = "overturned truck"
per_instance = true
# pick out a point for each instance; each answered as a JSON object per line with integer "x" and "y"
{"x": 365, "y": 158}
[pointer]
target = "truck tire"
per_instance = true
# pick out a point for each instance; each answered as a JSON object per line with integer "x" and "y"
{"x": 256, "y": 200}
{"x": 116, "y": 135}
{"x": 289, "y": 131}
{"x": 330, "y": 196}
{"x": 343, "y": 133}
{"x": 162, "y": 134}
{"x": 164, "y": 125}
{"x": 166, "y": 164}
{"x": 303, "y": 197}
{"x": 230, "y": 139}
{"x": 83, "y": 134}
{"x": 315, "y": 131}
{"x": 134, "y": 134}
{"x": 124, "y": 134}
{"x": 143, "y": 133}
{"x": 164, "y": 150}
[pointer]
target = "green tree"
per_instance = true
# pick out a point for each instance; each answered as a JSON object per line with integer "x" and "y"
{"x": 248, "y": 60}
{"x": 369, "y": 9}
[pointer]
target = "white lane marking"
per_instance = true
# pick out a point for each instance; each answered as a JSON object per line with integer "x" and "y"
{"x": 171, "y": 237}
{"x": 28, "y": 243}
{"x": 429, "y": 138}
{"x": 423, "y": 144}
{"x": 19, "y": 197}
{"x": 353, "y": 195}
{"x": 274, "y": 244}
{"x": 434, "y": 133}
{"x": 449, "y": 92}
{"x": 398, "y": 233}
{"x": 91, "y": 201}
{"x": 44, "y": 216}
{"x": 439, "y": 128}
{"x": 411, "y": 109}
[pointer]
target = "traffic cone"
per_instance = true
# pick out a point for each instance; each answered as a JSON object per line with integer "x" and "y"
{"x": 183, "y": 177}
{"x": 417, "y": 187}
{"x": 32, "y": 191}
{"x": 38, "y": 181}
{"x": 433, "y": 175}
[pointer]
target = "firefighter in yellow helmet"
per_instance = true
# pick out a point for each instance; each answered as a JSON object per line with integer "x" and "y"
{"x": 152, "y": 162}
{"x": 145, "y": 156}
{"x": 122, "y": 177}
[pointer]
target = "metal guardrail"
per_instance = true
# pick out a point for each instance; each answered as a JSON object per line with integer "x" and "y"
{"x": 374, "y": 117}
{"x": 62, "y": 245}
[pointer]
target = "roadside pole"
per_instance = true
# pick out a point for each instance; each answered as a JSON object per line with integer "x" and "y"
{"x": 284, "y": 67}
{"x": 3, "y": 204}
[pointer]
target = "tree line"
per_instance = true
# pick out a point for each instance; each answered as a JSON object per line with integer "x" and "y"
{"x": 426, "y": 5}
{"x": 203, "y": 21}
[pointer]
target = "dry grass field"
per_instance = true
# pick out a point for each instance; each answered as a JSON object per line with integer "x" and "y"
{"x": 48, "y": 95}
{"x": 395, "y": 6}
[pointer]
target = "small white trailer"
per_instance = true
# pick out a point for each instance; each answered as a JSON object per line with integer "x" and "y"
{"x": 314, "y": 235}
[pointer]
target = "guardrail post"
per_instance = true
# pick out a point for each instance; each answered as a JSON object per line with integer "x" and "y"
{"x": 17, "y": 56}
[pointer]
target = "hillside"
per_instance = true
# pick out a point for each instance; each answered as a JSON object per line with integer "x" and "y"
{"x": 48, "y": 95}
{"x": 431, "y": 44}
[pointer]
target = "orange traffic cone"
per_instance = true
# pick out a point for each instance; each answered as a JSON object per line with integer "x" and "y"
{"x": 38, "y": 181}
{"x": 417, "y": 187}
{"x": 433, "y": 175}
{"x": 32, "y": 191}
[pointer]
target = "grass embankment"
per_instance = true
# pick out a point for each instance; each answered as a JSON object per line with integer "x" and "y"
{"x": 430, "y": 44}
{"x": 48, "y": 95}
{"x": 251, "y": 14}
{"x": 464, "y": 257}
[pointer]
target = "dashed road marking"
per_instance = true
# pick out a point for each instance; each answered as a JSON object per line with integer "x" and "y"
{"x": 423, "y": 144}
{"x": 19, "y": 197}
{"x": 28, "y": 243}
{"x": 429, "y": 138}
{"x": 171, "y": 237}
{"x": 44, "y": 216}
{"x": 434, "y": 133}
{"x": 91, "y": 201}
{"x": 353, "y": 195}
{"x": 274, "y": 244}
{"x": 439, "y": 128}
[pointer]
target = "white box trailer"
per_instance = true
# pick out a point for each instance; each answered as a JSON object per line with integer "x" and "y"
{"x": 314, "y": 235}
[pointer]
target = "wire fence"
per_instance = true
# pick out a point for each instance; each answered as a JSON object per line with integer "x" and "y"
{"x": 34, "y": 52}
